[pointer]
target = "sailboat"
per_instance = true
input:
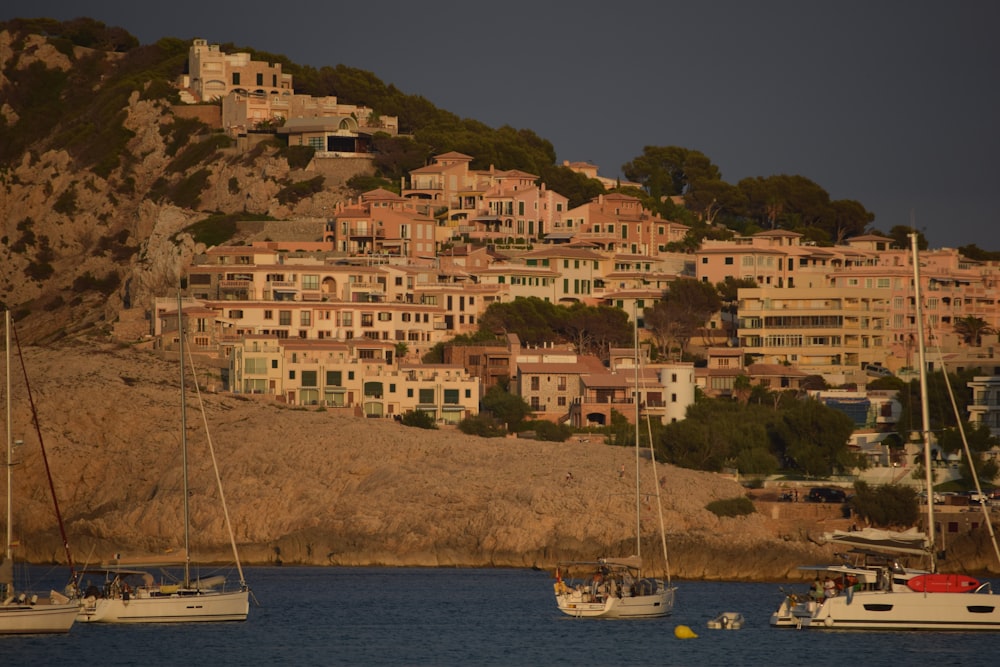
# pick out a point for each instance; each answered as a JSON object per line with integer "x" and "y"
{"x": 614, "y": 587}
{"x": 22, "y": 613}
{"x": 870, "y": 589}
{"x": 130, "y": 593}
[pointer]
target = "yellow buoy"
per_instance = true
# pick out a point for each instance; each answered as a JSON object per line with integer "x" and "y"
{"x": 684, "y": 632}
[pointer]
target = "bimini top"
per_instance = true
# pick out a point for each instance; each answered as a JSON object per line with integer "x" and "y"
{"x": 909, "y": 542}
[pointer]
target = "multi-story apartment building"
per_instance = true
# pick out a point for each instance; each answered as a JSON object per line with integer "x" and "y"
{"x": 356, "y": 375}
{"x": 618, "y": 223}
{"x": 246, "y": 290}
{"x": 985, "y": 406}
{"x": 551, "y": 382}
{"x": 382, "y": 223}
{"x": 514, "y": 208}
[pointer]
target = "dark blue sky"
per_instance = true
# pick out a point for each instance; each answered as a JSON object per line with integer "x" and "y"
{"x": 893, "y": 104}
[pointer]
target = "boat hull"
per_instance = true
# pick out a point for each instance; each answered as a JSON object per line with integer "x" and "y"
{"x": 29, "y": 619}
{"x": 894, "y": 610}
{"x": 653, "y": 605}
{"x": 177, "y": 608}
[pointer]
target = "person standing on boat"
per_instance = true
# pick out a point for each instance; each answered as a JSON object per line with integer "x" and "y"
{"x": 829, "y": 588}
{"x": 816, "y": 592}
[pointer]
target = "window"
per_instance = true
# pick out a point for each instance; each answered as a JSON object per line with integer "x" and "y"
{"x": 535, "y": 381}
{"x": 236, "y": 78}
{"x": 451, "y": 396}
{"x": 310, "y": 282}
{"x": 268, "y": 315}
{"x": 385, "y": 317}
{"x": 305, "y": 318}
{"x": 291, "y": 375}
{"x": 285, "y": 318}
{"x": 535, "y": 405}
{"x": 426, "y": 396}
{"x": 255, "y": 365}
{"x": 333, "y": 378}
{"x": 308, "y": 379}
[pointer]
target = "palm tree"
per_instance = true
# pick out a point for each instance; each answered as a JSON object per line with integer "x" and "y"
{"x": 972, "y": 329}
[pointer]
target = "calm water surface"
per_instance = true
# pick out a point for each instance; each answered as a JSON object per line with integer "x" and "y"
{"x": 374, "y": 616}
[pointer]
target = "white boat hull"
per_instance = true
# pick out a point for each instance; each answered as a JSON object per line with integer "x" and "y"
{"x": 580, "y": 604}
{"x": 41, "y": 618}
{"x": 893, "y": 610}
{"x": 176, "y": 608}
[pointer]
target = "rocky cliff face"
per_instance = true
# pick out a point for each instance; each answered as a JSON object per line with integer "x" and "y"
{"x": 78, "y": 248}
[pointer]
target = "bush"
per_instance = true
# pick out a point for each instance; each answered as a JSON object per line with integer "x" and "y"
{"x": 297, "y": 191}
{"x": 299, "y": 157}
{"x": 738, "y": 506}
{"x": 482, "y": 425}
{"x": 418, "y": 419}
{"x": 66, "y": 202}
{"x": 548, "y": 431}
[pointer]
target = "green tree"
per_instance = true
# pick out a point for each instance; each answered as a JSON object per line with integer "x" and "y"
{"x": 483, "y": 425}
{"x": 682, "y": 311}
{"x": 813, "y": 438}
{"x": 506, "y": 408}
{"x": 885, "y": 506}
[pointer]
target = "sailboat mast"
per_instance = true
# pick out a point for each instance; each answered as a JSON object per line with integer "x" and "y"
{"x": 924, "y": 407}
{"x": 184, "y": 452}
{"x": 638, "y": 519}
{"x": 10, "y": 447}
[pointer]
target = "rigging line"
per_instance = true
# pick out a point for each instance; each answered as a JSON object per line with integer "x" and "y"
{"x": 215, "y": 467}
{"x": 968, "y": 457}
{"x": 45, "y": 456}
{"x": 659, "y": 503}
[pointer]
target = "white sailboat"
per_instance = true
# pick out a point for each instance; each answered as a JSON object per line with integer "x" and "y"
{"x": 616, "y": 587}
{"x": 20, "y": 612}
{"x": 872, "y": 591}
{"x": 131, "y": 595}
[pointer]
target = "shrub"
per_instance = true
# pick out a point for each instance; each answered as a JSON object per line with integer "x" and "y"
{"x": 482, "y": 425}
{"x": 187, "y": 193}
{"x": 418, "y": 419}
{"x": 739, "y": 506}
{"x": 298, "y": 191}
{"x": 299, "y": 157}
{"x": 66, "y": 202}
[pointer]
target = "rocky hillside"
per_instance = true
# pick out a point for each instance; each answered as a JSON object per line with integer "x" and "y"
{"x": 307, "y": 486}
{"x": 86, "y": 235}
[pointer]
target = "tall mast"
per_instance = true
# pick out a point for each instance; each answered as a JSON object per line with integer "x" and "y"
{"x": 924, "y": 407}
{"x": 184, "y": 452}
{"x": 638, "y": 519}
{"x": 10, "y": 455}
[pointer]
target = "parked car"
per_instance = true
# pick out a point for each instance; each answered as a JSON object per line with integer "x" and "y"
{"x": 938, "y": 498}
{"x": 976, "y": 498}
{"x": 824, "y": 494}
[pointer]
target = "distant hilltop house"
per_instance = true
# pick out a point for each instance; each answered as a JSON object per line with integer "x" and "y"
{"x": 257, "y": 96}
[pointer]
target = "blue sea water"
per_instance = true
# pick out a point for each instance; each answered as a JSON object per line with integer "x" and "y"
{"x": 468, "y": 617}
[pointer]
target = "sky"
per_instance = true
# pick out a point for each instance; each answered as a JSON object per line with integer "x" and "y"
{"x": 894, "y": 104}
